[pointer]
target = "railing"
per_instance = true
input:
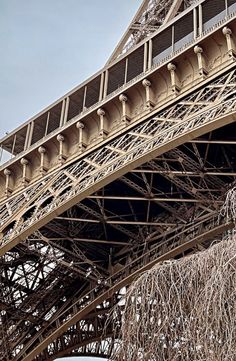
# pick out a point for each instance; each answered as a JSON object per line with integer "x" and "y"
{"x": 160, "y": 134}
{"x": 81, "y": 170}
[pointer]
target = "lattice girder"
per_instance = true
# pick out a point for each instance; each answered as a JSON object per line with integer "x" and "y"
{"x": 151, "y": 15}
{"x": 71, "y": 185}
{"x": 158, "y": 235}
{"x": 148, "y": 189}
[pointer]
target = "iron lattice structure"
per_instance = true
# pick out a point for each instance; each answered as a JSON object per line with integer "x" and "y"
{"x": 126, "y": 173}
{"x": 151, "y": 15}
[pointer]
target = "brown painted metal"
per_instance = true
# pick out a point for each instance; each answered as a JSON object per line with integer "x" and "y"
{"x": 136, "y": 179}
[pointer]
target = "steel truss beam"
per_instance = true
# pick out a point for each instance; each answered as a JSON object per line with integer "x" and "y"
{"x": 53, "y": 255}
{"x": 12, "y": 210}
{"x": 151, "y": 238}
{"x": 206, "y": 229}
{"x": 81, "y": 179}
{"x": 153, "y": 198}
{"x": 149, "y": 17}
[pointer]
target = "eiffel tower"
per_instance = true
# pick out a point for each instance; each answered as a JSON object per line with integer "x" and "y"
{"x": 127, "y": 170}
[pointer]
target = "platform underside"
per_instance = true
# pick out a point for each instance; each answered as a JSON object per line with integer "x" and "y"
{"x": 156, "y": 206}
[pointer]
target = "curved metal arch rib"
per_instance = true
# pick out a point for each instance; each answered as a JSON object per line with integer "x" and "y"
{"x": 98, "y": 347}
{"x": 204, "y": 230}
{"x": 52, "y": 186}
{"x": 155, "y": 136}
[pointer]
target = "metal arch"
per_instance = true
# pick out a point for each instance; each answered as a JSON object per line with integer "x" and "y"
{"x": 144, "y": 142}
{"x": 11, "y": 211}
{"x": 84, "y": 341}
{"x": 167, "y": 156}
{"x": 28, "y": 328}
{"x": 182, "y": 110}
{"x": 98, "y": 345}
{"x": 204, "y": 230}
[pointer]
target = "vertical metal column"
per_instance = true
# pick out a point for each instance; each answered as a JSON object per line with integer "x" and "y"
{"x": 47, "y": 124}
{"x": 126, "y": 69}
{"x": 13, "y": 146}
{"x": 145, "y": 57}
{"x": 30, "y": 134}
{"x": 195, "y": 25}
{"x": 149, "y": 54}
{"x": 27, "y": 136}
{"x": 84, "y": 100}
{"x": 105, "y": 83}
{"x": 101, "y": 86}
{"x": 226, "y": 8}
{"x": 172, "y": 38}
{"x": 200, "y": 25}
{"x": 62, "y": 112}
{"x": 67, "y": 103}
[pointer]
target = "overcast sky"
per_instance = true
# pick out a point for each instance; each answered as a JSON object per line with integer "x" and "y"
{"x": 50, "y": 46}
{"x": 47, "y": 47}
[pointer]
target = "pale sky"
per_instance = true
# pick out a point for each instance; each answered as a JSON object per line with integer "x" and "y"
{"x": 47, "y": 47}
